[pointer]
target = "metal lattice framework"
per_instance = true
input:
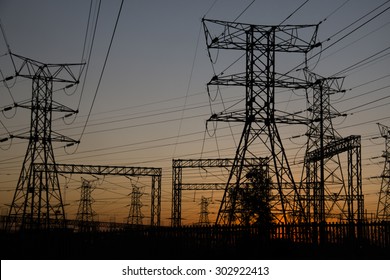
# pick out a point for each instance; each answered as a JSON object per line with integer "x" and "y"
{"x": 178, "y": 185}
{"x": 37, "y": 201}
{"x": 328, "y": 193}
{"x": 204, "y": 212}
{"x": 135, "y": 214}
{"x": 383, "y": 208}
{"x": 260, "y": 44}
{"x": 127, "y": 171}
{"x": 85, "y": 214}
{"x": 346, "y": 201}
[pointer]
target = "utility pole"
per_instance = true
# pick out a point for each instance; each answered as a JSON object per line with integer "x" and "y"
{"x": 260, "y": 44}
{"x": 85, "y": 214}
{"x": 383, "y": 208}
{"x": 37, "y": 202}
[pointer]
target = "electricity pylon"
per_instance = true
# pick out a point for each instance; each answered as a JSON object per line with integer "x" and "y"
{"x": 135, "y": 214}
{"x": 204, "y": 211}
{"x": 37, "y": 202}
{"x": 383, "y": 208}
{"x": 260, "y": 44}
{"x": 329, "y": 193}
{"x": 85, "y": 214}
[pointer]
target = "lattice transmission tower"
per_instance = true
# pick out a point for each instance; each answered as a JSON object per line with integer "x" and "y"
{"x": 260, "y": 136}
{"x": 85, "y": 214}
{"x": 332, "y": 191}
{"x": 135, "y": 214}
{"x": 383, "y": 208}
{"x": 37, "y": 202}
{"x": 204, "y": 211}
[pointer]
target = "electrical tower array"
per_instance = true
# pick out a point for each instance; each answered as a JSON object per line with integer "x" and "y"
{"x": 37, "y": 202}
{"x": 261, "y": 45}
{"x": 85, "y": 214}
{"x": 383, "y": 208}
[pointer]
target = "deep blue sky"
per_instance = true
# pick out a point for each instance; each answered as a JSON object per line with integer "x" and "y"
{"x": 152, "y": 105}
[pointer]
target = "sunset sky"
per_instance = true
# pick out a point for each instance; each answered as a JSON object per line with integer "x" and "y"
{"x": 152, "y": 104}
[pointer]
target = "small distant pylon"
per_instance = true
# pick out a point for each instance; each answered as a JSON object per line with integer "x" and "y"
{"x": 135, "y": 214}
{"x": 383, "y": 208}
{"x": 204, "y": 211}
{"x": 85, "y": 214}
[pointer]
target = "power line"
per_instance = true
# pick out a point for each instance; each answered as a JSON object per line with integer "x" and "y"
{"x": 247, "y": 7}
{"x": 102, "y": 72}
{"x": 188, "y": 87}
{"x": 362, "y": 62}
{"x": 97, "y": 13}
{"x": 296, "y": 10}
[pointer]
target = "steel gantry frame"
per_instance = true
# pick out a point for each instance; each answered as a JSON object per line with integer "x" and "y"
{"x": 349, "y": 200}
{"x": 127, "y": 171}
{"x": 178, "y": 185}
{"x": 383, "y": 207}
{"x": 260, "y": 44}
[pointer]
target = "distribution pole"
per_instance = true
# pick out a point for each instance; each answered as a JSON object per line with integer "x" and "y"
{"x": 37, "y": 202}
{"x": 260, "y": 44}
{"x": 383, "y": 208}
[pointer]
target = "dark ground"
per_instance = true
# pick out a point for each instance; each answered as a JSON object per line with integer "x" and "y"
{"x": 138, "y": 245}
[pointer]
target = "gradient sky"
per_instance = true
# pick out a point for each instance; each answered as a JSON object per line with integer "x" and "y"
{"x": 152, "y": 103}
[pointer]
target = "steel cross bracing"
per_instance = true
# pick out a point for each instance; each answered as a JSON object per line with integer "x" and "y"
{"x": 37, "y": 201}
{"x": 105, "y": 170}
{"x": 328, "y": 192}
{"x": 383, "y": 208}
{"x": 178, "y": 185}
{"x": 260, "y": 43}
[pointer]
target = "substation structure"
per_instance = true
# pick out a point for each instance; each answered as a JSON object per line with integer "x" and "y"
{"x": 126, "y": 171}
{"x": 250, "y": 167}
{"x": 347, "y": 203}
{"x": 329, "y": 194}
{"x": 383, "y": 208}
{"x": 260, "y": 44}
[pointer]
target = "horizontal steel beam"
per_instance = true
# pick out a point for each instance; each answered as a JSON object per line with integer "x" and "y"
{"x": 98, "y": 169}
{"x": 336, "y": 147}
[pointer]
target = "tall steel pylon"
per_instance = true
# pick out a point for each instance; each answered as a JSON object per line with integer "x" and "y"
{"x": 37, "y": 202}
{"x": 85, "y": 214}
{"x": 383, "y": 208}
{"x": 332, "y": 192}
{"x": 260, "y": 44}
{"x": 135, "y": 214}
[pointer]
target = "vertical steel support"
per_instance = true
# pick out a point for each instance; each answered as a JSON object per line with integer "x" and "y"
{"x": 383, "y": 207}
{"x": 177, "y": 174}
{"x": 155, "y": 214}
